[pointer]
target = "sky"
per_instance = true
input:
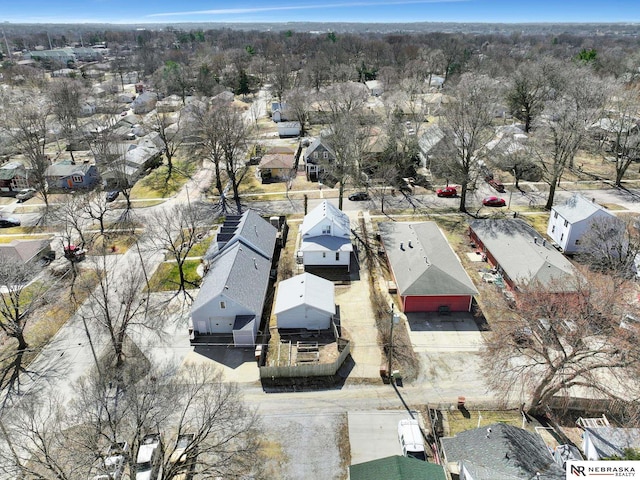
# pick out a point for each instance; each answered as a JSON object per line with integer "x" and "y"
{"x": 380, "y": 11}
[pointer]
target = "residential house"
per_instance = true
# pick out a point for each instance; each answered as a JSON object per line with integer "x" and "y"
{"x": 280, "y": 112}
{"x": 136, "y": 159}
{"x": 429, "y": 140}
{"x": 277, "y": 166}
{"x": 325, "y": 237}
{"x": 318, "y": 154}
{"x": 144, "y": 103}
{"x": 25, "y": 251}
{"x": 66, "y": 175}
{"x": 232, "y": 294}
{"x": 427, "y": 273}
{"x": 570, "y": 221}
{"x": 499, "y": 452}
{"x": 172, "y": 103}
{"x": 396, "y": 467}
{"x": 375, "y": 87}
{"x": 521, "y": 255}
{"x": 599, "y": 443}
{"x": 13, "y": 176}
{"x": 305, "y": 301}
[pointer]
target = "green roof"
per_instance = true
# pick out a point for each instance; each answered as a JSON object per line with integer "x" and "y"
{"x": 396, "y": 468}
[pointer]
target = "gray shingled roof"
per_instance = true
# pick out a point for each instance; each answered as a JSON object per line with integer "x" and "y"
{"x": 315, "y": 144}
{"x": 326, "y": 243}
{"x": 578, "y": 208}
{"x": 610, "y": 441}
{"x": 504, "y": 453}
{"x": 322, "y": 211}
{"x": 250, "y": 229}
{"x": 240, "y": 274}
{"x": 306, "y": 289}
{"x": 67, "y": 169}
{"x": 23, "y": 250}
{"x": 425, "y": 264}
{"x": 512, "y": 242}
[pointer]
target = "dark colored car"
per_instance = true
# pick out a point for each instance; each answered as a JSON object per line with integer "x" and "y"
{"x": 447, "y": 192}
{"x": 358, "y": 196}
{"x": 112, "y": 195}
{"x": 9, "y": 222}
{"x": 494, "y": 202}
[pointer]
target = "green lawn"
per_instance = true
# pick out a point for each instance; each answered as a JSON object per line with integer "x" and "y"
{"x": 167, "y": 278}
{"x": 156, "y": 185}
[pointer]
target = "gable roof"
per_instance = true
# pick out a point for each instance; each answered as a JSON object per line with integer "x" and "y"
{"x": 422, "y": 260}
{"x": 610, "y": 441}
{"x": 325, "y": 211}
{"x": 277, "y": 160}
{"x": 326, "y": 243}
{"x": 520, "y": 252}
{"x": 501, "y": 451}
{"x": 67, "y": 169}
{"x": 396, "y": 467}
{"x": 239, "y": 274}
{"x": 306, "y": 289}
{"x": 250, "y": 229}
{"x": 318, "y": 142}
{"x": 578, "y": 208}
{"x": 23, "y": 250}
{"x": 431, "y": 136}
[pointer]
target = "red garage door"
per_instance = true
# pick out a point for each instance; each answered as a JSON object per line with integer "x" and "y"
{"x": 432, "y": 304}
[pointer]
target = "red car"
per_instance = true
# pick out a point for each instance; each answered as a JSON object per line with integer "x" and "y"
{"x": 493, "y": 202}
{"x": 447, "y": 192}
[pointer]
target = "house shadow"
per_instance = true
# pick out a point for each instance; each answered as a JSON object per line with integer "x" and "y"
{"x": 339, "y": 275}
{"x": 227, "y": 355}
{"x": 441, "y": 322}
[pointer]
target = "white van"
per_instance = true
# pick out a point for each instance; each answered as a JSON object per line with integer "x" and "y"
{"x": 411, "y": 439}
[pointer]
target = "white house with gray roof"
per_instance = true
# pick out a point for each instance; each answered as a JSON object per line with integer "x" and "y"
{"x": 570, "y": 221}
{"x": 521, "y": 255}
{"x": 428, "y": 274}
{"x": 305, "y": 301}
{"x": 603, "y": 442}
{"x": 232, "y": 294}
{"x": 499, "y": 452}
{"x": 325, "y": 237}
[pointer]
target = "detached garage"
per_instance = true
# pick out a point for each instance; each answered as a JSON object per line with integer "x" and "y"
{"x": 305, "y": 301}
{"x": 426, "y": 271}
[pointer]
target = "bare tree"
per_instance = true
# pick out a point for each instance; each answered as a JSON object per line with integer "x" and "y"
{"x": 298, "y": 103}
{"x": 27, "y": 127}
{"x": 18, "y": 301}
{"x": 559, "y": 342}
{"x": 564, "y": 130}
{"x": 518, "y": 160}
{"x": 171, "y": 134}
{"x": 66, "y": 95}
{"x": 96, "y": 207}
{"x": 528, "y": 91}
{"x": 467, "y": 123}
{"x": 177, "y": 230}
{"x": 611, "y": 245}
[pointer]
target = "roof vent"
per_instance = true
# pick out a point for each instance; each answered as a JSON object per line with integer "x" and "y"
{"x": 535, "y": 240}
{"x": 402, "y": 246}
{"x": 410, "y": 246}
{"x": 255, "y": 264}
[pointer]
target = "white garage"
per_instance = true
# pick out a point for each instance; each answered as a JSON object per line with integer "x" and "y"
{"x": 305, "y": 301}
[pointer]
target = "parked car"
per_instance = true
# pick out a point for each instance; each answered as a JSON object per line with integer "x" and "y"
{"x": 411, "y": 439}
{"x": 9, "y": 222}
{"x": 496, "y": 184}
{"x": 114, "y": 462}
{"x": 447, "y": 192}
{"x": 358, "y": 196}
{"x": 149, "y": 457}
{"x": 493, "y": 202}
{"x": 112, "y": 195}
{"x": 25, "y": 194}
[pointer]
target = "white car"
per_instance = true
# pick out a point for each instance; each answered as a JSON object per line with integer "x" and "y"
{"x": 149, "y": 457}
{"x": 25, "y": 194}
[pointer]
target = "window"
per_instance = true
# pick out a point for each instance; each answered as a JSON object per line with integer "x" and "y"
{"x": 324, "y": 254}
{"x": 566, "y": 223}
{"x": 76, "y": 178}
{"x": 315, "y": 155}
{"x": 337, "y": 256}
{"x": 553, "y": 228}
{"x": 223, "y": 305}
{"x": 578, "y": 241}
{"x": 326, "y": 230}
{"x": 555, "y": 214}
{"x": 325, "y": 155}
{"x": 562, "y": 237}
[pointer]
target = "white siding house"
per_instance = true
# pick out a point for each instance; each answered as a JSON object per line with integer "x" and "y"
{"x": 569, "y": 222}
{"x": 604, "y": 442}
{"x": 305, "y": 301}
{"x": 326, "y": 237}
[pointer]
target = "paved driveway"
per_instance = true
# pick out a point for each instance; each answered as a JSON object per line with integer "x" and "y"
{"x": 456, "y": 332}
{"x": 374, "y": 434}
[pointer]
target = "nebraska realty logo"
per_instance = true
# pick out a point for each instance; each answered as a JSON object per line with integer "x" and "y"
{"x": 603, "y": 469}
